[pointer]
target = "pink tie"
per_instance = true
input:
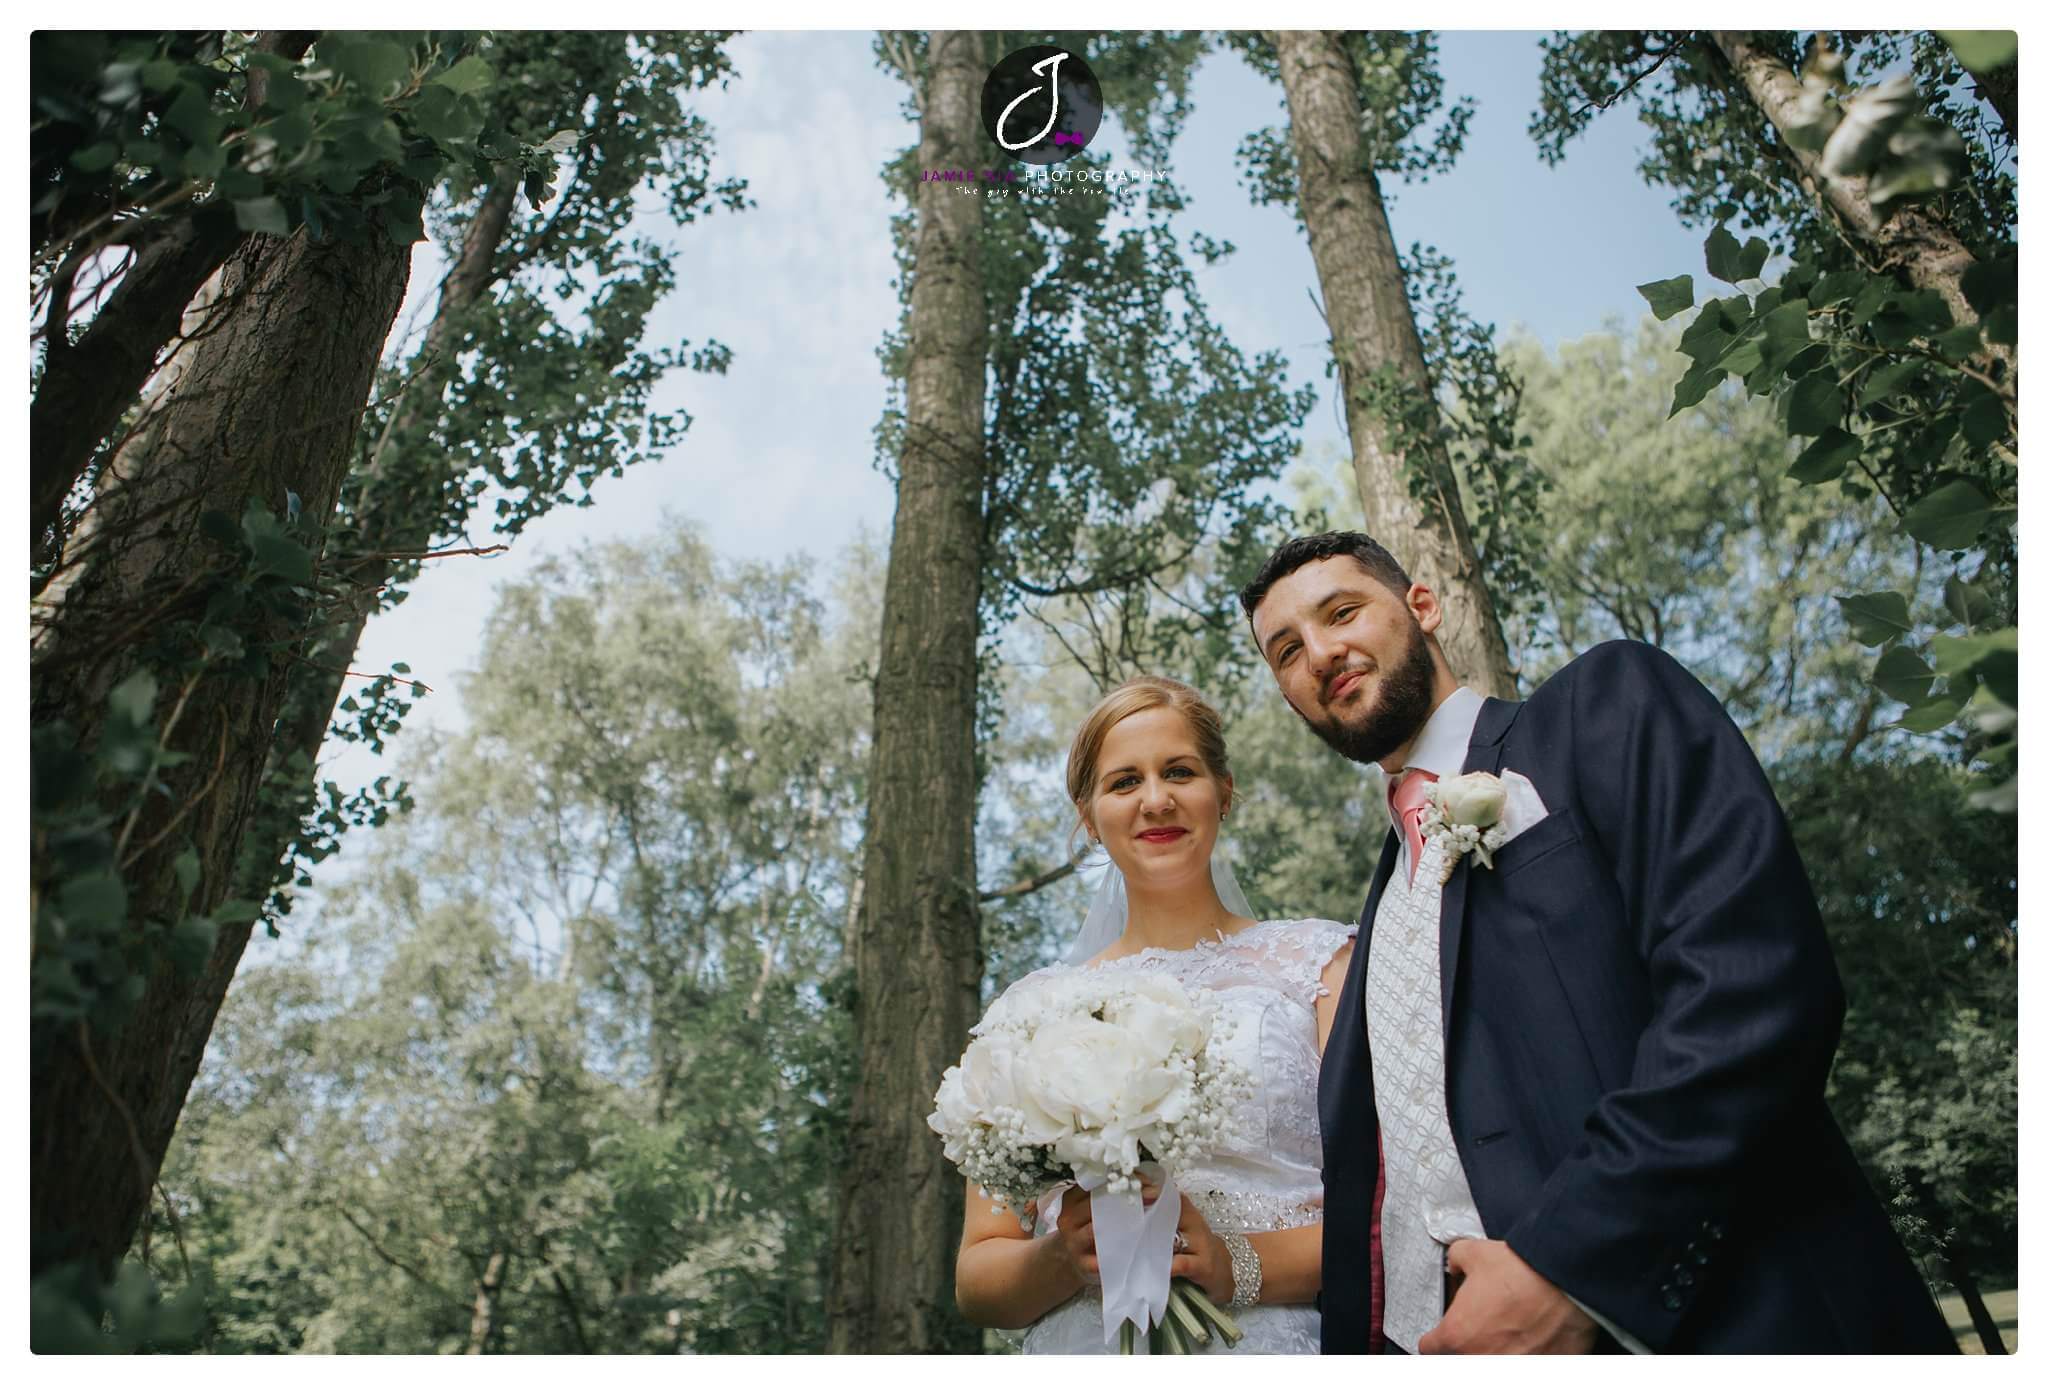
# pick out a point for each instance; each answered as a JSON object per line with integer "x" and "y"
{"x": 1410, "y": 797}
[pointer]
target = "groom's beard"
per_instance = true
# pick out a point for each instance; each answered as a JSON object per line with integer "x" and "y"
{"x": 1400, "y": 708}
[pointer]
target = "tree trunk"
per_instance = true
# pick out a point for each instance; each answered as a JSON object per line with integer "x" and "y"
{"x": 1372, "y": 327}
{"x": 1908, "y": 241}
{"x": 385, "y": 520}
{"x": 88, "y": 384}
{"x": 917, "y": 942}
{"x": 270, "y": 405}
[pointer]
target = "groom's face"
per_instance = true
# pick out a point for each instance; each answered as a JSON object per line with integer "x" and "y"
{"x": 1350, "y": 655}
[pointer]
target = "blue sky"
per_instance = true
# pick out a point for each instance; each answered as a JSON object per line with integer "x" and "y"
{"x": 779, "y": 458}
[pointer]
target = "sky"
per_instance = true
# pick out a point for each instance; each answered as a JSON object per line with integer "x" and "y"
{"x": 779, "y": 460}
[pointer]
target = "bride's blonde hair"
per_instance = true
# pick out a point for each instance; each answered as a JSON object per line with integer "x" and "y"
{"x": 1127, "y": 699}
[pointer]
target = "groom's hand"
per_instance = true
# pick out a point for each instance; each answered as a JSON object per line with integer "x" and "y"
{"x": 1502, "y": 1306}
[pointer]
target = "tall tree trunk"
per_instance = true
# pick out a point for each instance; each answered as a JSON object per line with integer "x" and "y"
{"x": 917, "y": 941}
{"x": 88, "y": 384}
{"x": 1909, "y": 240}
{"x": 1372, "y": 326}
{"x": 385, "y": 520}
{"x": 268, "y": 406}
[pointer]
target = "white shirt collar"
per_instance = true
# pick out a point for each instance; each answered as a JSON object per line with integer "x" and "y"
{"x": 1447, "y": 735}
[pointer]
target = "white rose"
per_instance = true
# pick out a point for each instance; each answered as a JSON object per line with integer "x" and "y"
{"x": 1476, "y": 800}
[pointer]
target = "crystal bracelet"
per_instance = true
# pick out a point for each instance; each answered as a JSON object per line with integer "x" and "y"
{"x": 1246, "y": 1274}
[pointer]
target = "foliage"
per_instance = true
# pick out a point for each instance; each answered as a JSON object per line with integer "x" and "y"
{"x": 1123, "y": 428}
{"x": 536, "y": 386}
{"x": 1400, "y": 98}
{"x": 577, "y": 1012}
{"x": 1920, "y": 895}
{"x": 1895, "y": 395}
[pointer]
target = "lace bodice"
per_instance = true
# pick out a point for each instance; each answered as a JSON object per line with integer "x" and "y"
{"x": 1269, "y": 1176}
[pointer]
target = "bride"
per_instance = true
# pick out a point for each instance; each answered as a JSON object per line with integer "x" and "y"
{"x": 1150, "y": 779}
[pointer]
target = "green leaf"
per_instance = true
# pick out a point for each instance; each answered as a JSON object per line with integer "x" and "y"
{"x": 1827, "y": 457}
{"x": 1959, "y": 343}
{"x": 466, "y": 77}
{"x": 1992, "y": 284}
{"x": 1815, "y": 404}
{"x": 95, "y": 158}
{"x": 2002, "y": 326}
{"x": 263, "y": 215}
{"x": 186, "y": 868}
{"x": 1875, "y": 617}
{"x": 1755, "y": 251}
{"x": 1724, "y": 255}
{"x": 1957, "y": 654}
{"x": 1887, "y": 380}
{"x": 1932, "y": 716}
{"x": 191, "y": 944}
{"x": 273, "y": 550}
{"x": 1951, "y": 517}
{"x": 1968, "y": 602}
{"x": 93, "y": 902}
{"x": 1902, "y": 675}
{"x": 133, "y": 698}
{"x": 1984, "y": 422}
{"x": 1667, "y": 297}
{"x": 1982, "y": 50}
{"x": 379, "y": 68}
{"x": 1836, "y": 285}
{"x": 401, "y": 668}
{"x": 1696, "y": 385}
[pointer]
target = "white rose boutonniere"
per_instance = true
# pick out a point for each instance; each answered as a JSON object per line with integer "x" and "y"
{"x": 1466, "y": 811}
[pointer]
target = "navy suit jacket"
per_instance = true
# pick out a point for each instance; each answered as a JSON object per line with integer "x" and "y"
{"x": 1640, "y": 1009}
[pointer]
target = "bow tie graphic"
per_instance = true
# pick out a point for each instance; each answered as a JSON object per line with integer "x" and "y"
{"x": 1061, "y": 137}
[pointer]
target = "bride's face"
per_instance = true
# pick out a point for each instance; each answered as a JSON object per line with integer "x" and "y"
{"x": 1156, "y": 805}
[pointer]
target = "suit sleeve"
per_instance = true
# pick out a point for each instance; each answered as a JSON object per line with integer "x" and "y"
{"x": 1746, "y": 1005}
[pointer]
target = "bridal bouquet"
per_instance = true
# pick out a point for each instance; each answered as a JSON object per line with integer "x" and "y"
{"x": 1090, "y": 1078}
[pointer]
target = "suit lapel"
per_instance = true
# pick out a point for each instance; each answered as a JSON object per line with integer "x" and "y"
{"x": 1482, "y": 754}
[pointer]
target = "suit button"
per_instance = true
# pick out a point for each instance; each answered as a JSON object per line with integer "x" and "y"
{"x": 1699, "y": 1257}
{"x": 1684, "y": 1278}
{"x": 1713, "y": 1229}
{"x": 1672, "y": 1301}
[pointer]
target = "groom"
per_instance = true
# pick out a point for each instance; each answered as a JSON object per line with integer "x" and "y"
{"x": 1573, "y": 1099}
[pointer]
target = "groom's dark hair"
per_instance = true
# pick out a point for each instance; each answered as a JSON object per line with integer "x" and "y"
{"x": 1311, "y": 548}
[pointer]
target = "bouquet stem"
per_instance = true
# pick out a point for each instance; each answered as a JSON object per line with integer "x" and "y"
{"x": 1190, "y": 1314}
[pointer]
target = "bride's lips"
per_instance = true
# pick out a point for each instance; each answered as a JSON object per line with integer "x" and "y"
{"x": 1163, "y": 834}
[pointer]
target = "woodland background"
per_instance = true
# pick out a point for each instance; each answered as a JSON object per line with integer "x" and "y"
{"x": 575, "y": 1026}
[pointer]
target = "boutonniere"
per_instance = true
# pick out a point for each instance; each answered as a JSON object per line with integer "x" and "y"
{"x": 1466, "y": 812}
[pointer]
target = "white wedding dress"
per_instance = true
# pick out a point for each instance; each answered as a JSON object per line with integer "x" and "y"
{"x": 1268, "y": 977}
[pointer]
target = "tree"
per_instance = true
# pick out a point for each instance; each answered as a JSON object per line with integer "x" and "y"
{"x": 190, "y": 566}
{"x": 1889, "y": 339}
{"x": 1353, "y": 102}
{"x": 532, "y": 379}
{"x": 916, "y": 942}
{"x": 557, "y": 1071}
{"x": 1108, "y": 430}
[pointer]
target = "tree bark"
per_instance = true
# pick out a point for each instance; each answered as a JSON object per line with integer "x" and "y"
{"x": 270, "y": 405}
{"x": 1908, "y": 240}
{"x": 1372, "y": 327}
{"x": 486, "y": 1303}
{"x": 88, "y": 384}
{"x": 916, "y": 941}
{"x": 385, "y": 519}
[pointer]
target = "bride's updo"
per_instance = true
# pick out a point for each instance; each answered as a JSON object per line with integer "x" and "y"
{"x": 1127, "y": 699}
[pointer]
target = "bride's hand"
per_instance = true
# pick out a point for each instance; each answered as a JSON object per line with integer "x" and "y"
{"x": 1072, "y": 1239}
{"x": 1200, "y": 1256}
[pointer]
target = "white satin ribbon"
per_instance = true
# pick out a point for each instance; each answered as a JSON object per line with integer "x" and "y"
{"x": 1134, "y": 1249}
